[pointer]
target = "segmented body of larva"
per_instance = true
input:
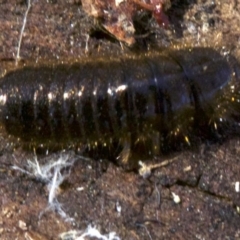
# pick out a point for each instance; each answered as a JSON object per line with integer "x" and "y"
{"x": 134, "y": 107}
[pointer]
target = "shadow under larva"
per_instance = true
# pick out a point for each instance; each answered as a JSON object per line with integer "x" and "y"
{"x": 124, "y": 108}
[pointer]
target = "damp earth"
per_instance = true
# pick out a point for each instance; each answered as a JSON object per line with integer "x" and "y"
{"x": 195, "y": 195}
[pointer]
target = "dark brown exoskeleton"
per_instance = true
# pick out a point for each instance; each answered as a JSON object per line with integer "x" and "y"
{"x": 130, "y": 108}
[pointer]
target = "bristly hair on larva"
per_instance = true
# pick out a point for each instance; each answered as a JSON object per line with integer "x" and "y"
{"x": 125, "y": 108}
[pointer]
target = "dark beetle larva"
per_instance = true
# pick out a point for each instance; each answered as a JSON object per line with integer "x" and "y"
{"x": 135, "y": 107}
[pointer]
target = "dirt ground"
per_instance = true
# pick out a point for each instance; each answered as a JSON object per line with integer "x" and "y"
{"x": 196, "y": 196}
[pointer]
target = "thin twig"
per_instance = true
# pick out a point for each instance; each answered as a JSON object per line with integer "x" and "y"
{"x": 22, "y": 30}
{"x": 145, "y": 170}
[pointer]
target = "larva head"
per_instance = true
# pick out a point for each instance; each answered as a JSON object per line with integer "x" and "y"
{"x": 205, "y": 70}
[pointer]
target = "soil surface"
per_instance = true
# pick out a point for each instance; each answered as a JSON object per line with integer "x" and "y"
{"x": 196, "y": 196}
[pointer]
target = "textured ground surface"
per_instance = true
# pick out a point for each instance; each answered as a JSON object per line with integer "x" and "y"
{"x": 206, "y": 180}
